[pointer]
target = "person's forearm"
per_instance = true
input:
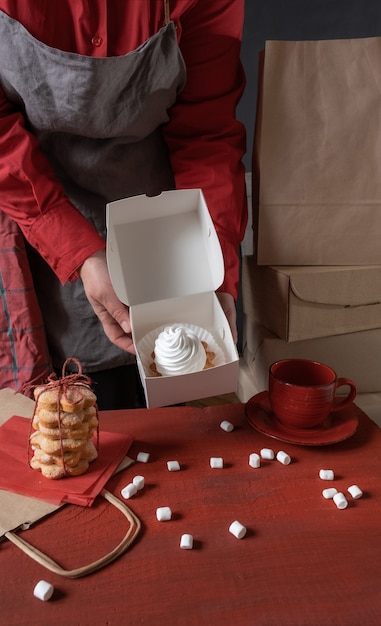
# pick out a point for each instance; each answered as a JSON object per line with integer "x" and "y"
{"x": 33, "y": 197}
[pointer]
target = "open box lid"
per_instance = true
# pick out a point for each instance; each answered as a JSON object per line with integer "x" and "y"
{"x": 340, "y": 286}
{"x": 162, "y": 247}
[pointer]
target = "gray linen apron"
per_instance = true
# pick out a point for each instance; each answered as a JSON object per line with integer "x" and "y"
{"x": 98, "y": 120}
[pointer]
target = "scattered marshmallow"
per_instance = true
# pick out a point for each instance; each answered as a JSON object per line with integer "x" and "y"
{"x": 254, "y": 460}
{"x": 143, "y": 457}
{"x": 340, "y": 500}
{"x": 173, "y": 466}
{"x": 237, "y": 529}
{"x": 227, "y": 426}
{"x": 355, "y": 492}
{"x": 128, "y": 491}
{"x": 163, "y": 513}
{"x": 43, "y": 590}
{"x": 267, "y": 453}
{"x": 138, "y": 481}
{"x": 329, "y": 493}
{"x": 216, "y": 462}
{"x": 186, "y": 542}
{"x": 326, "y": 474}
{"x": 283, "y": 457}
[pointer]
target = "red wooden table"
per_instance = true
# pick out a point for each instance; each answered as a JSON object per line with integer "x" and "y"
{"x": 302, "y": 562}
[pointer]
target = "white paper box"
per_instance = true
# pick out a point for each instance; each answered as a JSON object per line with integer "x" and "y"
{"x": 247, "y": 387}
{"x": 370, "y": 403}
{"x": 353, "y": 355}
{"x": 165, "y": 263}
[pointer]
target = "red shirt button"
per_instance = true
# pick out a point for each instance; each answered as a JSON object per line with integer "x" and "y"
{"x": 97, "y": 41}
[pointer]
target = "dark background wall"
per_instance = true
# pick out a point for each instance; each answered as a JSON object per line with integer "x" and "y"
{"x": 298, "y": 20}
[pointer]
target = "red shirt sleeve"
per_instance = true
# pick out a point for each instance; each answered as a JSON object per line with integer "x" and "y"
{"x": 206, "y": 142}
{"x": 32, "y": 197}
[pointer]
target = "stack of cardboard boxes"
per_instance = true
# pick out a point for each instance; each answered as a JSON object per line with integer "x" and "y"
{"x": 327, "y": 314}
{"x": 312, "y": 286}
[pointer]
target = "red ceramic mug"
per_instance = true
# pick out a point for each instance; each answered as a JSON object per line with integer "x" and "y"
{"x": 302, "y": 393}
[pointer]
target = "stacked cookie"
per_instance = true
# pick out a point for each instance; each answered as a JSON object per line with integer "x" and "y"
{"x": 64, "y": 422}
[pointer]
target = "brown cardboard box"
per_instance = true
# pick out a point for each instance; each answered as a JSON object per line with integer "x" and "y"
{"x": 305, "y": 302}
{"x": 354, "y": 355}
{"x": 317, "y": 153}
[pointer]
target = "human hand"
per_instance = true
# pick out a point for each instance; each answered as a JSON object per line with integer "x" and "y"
{"x": 112, "y": 313}
{"x": 228, "y": 306}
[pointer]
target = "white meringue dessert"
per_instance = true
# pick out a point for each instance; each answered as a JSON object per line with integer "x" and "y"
{"x": 179, "y": 350}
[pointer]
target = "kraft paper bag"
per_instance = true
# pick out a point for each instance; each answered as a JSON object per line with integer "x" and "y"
{"x": 19, "y": 512}
{"x": 317, "y": 153}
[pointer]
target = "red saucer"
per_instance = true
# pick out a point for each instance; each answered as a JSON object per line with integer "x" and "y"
{"x": 339, "y": 425}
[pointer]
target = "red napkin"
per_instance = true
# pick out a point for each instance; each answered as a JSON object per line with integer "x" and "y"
{"x": 17, "y": 476}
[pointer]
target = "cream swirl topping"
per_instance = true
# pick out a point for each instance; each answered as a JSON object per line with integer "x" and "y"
{"x": 178, "y": 350}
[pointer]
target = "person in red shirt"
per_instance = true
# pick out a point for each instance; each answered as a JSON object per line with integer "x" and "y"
{"x": 102, "y": 100}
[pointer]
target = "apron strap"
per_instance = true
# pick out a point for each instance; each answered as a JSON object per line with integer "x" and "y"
{"x": 167, "y": 16}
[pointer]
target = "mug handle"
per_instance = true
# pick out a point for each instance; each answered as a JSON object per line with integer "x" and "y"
{"x": 347, "y": 400}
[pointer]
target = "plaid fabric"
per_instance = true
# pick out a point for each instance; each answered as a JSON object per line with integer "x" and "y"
{"x": 23, "y": 349}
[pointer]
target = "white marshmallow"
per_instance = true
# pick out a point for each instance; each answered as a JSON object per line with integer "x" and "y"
{"x": 227, "y": 426}
{"x": 267, "y": 453}
{"x": 216, "y": 462}
{"x": 325, "y": 474}
{"x": 186, "y": 542}
{"x": 329, "y": 493}
{"x": 340, "y": 500}
{"x": 128, "y": 491}
{"x": 355, "y": 492}
{"x": 254, "y": 460}
{"x": 283, "y": 457}
{"x": 143, "y": 457}
{"x": 237, "y": 529}
{"x": 173, "y": 466}
{"x": 163, "y": 513}
{"x": 138, "y": 481}
{"x": 43, "y": 590}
